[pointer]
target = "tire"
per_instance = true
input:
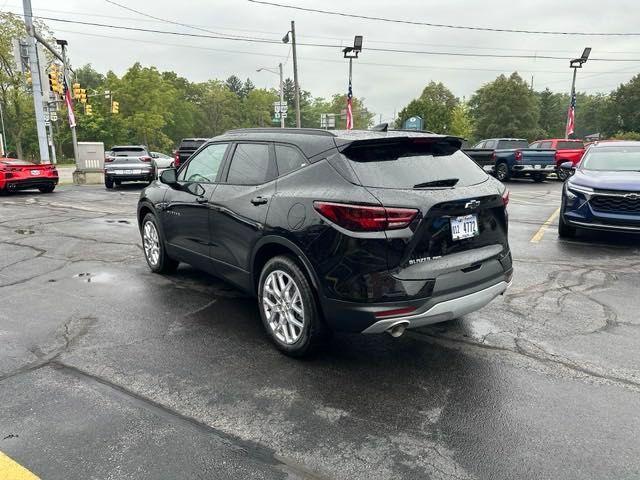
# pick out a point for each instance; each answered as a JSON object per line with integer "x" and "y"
{"x": 538, "y": 177}
{"x": 117, "y": 183}
{"x": 298, "y": 302}
{"x": 564, "y": 230}
{"x": 47, "y": 189}
{"x": 108, "y": 183}
{"x": 153, "y": 246}
{"x": 502, "y": 172}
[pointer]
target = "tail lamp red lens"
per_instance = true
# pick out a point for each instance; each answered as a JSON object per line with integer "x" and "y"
{"x": 145, "y": 159}
{"x": 364, "y": 218}
{"x": 109, "y": 159}
{"x": 518, "y": 156}
{"x": 176, "y": 160}
{"x": 395, "y": 312}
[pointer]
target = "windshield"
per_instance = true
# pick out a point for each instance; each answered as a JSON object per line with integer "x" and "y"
{"x": 402, "y": 165}
{"x": 619, "y": 159}
{"x": 566, "y": 145}
{"x": 509, "y": 144}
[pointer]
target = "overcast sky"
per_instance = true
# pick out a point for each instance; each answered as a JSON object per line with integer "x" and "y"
{"x": 387, "y": 80}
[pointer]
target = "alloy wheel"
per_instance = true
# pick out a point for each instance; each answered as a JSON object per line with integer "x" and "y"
{"x": 151, "y": 243}
{"x": 283, "y": 306}
{"x": 501, "y": 171}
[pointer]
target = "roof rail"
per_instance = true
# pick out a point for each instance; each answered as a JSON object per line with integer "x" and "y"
{"x": 290, "y": 131}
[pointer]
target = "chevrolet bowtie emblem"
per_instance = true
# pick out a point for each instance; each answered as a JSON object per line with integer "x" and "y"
{"x": 472, "y": 204}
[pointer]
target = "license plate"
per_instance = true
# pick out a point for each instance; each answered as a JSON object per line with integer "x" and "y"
{"x": 125, "y": 172}
{"x": 464, "y": 227}
{"x": 35, "y": 173}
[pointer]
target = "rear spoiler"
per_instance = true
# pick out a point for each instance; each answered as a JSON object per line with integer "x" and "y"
{"x": 434, "y": 145}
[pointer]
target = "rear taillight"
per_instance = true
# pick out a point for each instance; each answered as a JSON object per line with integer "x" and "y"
{"x": 518, "y": 156}
{"x": 505, "y": 198}
{"x": 364, "y": 218}
{"x": 176, "y": 160}
{"x": 145, "y": 159}
{"x": 109, "y": 159}
{"x": 493, "y": 156}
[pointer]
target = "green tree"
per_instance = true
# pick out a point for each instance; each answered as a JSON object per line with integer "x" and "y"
{"x": 505, "y": 107}
{"x": 221, "y": 108}
{"x": 247, "y": 87}
{"x": 258, "y": 108}
{"x": 626, "y": 105}
{"x": 461, "y": 124}
{"x": 435, "y": 105}
{"x": 234, "y": 84}
{"x": 89, "y": 78}
{"x": 553, "y": 113}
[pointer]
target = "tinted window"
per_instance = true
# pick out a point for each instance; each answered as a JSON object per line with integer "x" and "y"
{"x": 192, "y": 144}
{"x": 128, "y": 152}
{"x": 405, "y": 165}
{"x": 490, "y": 144}
{"x": 250, "y": 165}
{"x": 509, "y": 144}
{"x": 566, "y": 145}
{"x": 545, "y": 145}
{"x": 288, "y": 159}
{"x": 612, "y": 158}
{"x": 205, "y": 165}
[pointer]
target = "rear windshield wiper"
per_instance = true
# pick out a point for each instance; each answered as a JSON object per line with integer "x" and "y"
{"x": 445, "y": 182}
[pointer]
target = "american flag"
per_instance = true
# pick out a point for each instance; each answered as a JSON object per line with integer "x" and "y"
{"x": 349, "y": 108}
{"x": 571, "y": 116}
{"x": 67, "y": 99}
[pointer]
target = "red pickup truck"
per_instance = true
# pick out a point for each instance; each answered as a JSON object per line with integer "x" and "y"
{"x": 566, "y": 151}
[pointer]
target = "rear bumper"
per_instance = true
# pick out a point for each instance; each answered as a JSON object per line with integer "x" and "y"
{"x": 599, "y": 225}
{"x": 369, "y": 318}
{"x": 11, "y": 184}
{"x": 443, "y": 311}
{"x": 147, "y": 175}
{"x": 535, "y": 168}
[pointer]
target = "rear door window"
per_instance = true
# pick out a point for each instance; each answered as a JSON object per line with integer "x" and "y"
{"x": 406, "y": 165}
{"x": 289, "y": 159}
{"x": 490, "y": 144}
{"x": 510, "y": 144}
{"x": 251, "y": 165}
{"x": 546, "y": 145}
{"x": 480, "y": 145}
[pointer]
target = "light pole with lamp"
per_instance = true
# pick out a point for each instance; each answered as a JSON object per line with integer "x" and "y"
{"x": 576, "y": 63}
{"x": 285, "y": 39}
{"x": 351, "y": 53}
{"x": 281, "y": 88}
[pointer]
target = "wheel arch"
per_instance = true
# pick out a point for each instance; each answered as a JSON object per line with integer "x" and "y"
{"x": 271, "y": 246}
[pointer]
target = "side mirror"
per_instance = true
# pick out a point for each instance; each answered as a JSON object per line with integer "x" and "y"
{"x": 567, "y": 166}
{"x": 169, "y": 177}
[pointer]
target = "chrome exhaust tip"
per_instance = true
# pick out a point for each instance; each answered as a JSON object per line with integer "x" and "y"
{"x": 397, "y": 329}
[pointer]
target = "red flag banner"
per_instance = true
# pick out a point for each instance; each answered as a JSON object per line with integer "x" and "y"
{"x": 571, "y": 116}
{"x": 69, "y": 102}
{"x": 350, "y": 108}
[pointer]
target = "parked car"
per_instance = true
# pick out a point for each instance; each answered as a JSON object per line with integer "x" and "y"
{"x": 508, "y": 158}
{"x": 18, "y": 174}
{"x": 161, "y": 161}
{"x": 604, "y": 192}
{"x": 130, "y": 163}
{"x": 353, "y": 231}
{"x": 566, "y": 151}
{"x": 185, "y": 149}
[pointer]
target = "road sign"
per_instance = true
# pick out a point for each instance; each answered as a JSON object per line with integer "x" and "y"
{"x": 280, "y": 107}
{"x": 278, "y": 115}
{"x": 46, "y": 116}
{"x": 54, "y": 116}
{"x": 327, "y": 120}
{"x": 414, "y": 123}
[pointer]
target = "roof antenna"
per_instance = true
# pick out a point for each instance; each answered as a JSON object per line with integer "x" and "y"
{"x": 381, "y": 127}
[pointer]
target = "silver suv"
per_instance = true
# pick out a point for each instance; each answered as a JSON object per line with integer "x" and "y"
{"x": 130, "y": 163}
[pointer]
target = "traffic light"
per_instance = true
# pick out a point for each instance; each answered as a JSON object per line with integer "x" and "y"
{"x": 54, "y": 80}
{"x": 88, "y": 110}
{"x": 76, "y": 90}
{"x": 83, "y": 95}
{"x": 28, "y": 77}
{"x": 115, "y": 107}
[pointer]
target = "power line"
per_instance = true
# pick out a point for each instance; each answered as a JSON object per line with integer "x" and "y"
{"x": 325, "y": 45}
{"x": 442, "y": 25}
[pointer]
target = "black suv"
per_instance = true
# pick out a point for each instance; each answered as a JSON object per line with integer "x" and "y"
{"x": 360, "y": 231}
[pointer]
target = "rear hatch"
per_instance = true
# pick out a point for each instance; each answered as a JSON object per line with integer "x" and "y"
{"x": 461, "y": 222}
{"x": 535, "y": 156}
{"x": 134, "y": 160}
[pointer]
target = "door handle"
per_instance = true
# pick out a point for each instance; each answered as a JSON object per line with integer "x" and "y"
{"x": 201, "y": 199}
{"x": 259, "y": 200}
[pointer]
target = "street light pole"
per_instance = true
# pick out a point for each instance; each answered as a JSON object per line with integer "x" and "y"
{"x": 295, "y": 72}
{"x": 281, "y": 96}
{"x": 576, "y": 63}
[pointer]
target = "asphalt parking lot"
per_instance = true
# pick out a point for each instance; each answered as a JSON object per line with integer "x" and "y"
{"x": 110, "y": 371}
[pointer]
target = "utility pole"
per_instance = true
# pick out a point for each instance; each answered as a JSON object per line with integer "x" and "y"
{"x": 295, "y": 72}
{"x": 36, "y": 82}
{"x": 281, "y": 96}
{"x": 65, "y": 70}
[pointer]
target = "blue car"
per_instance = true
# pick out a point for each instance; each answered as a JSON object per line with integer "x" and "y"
{"x": 604, "y": 192}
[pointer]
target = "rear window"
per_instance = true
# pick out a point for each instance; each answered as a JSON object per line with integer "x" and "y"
{"x": 564, "y": 145}
{"x": 509, "y": 144}
{"x": 16, "y": 162}
{"x": 128, "y": 152}
{"x": 406, "y": 165}
{"x": 193, "y": 144}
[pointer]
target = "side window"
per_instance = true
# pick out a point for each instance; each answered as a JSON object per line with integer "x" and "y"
{"x": 490, "y": 144}
{"x": 535, "y": 145}
{"x": 251, "y": 165}
{"x": 289, "y": 159}
{"x": 480, "y": 145}
{"x": 205, "y": 165}
{"x": 545, "y": 145}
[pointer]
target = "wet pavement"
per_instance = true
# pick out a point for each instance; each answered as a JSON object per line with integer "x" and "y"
{"x": 109, "y": 371}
